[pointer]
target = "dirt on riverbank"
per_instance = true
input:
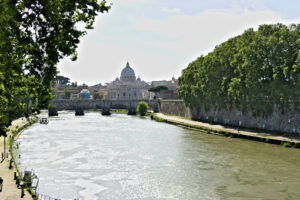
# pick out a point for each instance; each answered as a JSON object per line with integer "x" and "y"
{"x": 229, "y": 132}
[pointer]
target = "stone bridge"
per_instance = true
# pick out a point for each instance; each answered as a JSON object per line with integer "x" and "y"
{"x": 79, "y": 105}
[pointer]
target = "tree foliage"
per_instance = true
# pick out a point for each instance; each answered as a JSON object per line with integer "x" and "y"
{"x": 158, "y": 88}
{"x": 142, "y": 108}
{"x": 34, "y": 36}
{"x": 254, "y": 72}
{"x": 67, "y": 93}
{"x": 98, "y": 96}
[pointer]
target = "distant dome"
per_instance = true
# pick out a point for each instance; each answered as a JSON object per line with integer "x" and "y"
{"x": 128, "y": 74}
{"x": 84, "y": 94}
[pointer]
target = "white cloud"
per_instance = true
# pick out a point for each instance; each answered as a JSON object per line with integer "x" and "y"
{"x": 157, "y": 48}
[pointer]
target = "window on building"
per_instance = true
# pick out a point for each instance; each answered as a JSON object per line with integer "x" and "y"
{"x": 123, "y": 94}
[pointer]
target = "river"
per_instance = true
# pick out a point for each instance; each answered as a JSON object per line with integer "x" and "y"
{"x": 124, "y": 157}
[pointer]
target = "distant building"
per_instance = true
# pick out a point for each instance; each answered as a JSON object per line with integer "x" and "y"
{"x": 84, "y": 94}
{"x": 74, "y": 96}
{"x": 97, "y": 86}
{"x": 128, "y": 87}
{"x": 171, "y": 85}
{"x": 83, "y": 86}
{"x": 103, "y": 92}
{"x": 170, "y": 92}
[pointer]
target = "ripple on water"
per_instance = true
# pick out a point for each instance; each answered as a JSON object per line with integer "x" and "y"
{"x": 123, "y": 157}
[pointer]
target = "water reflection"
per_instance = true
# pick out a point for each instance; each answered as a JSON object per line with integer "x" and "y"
{"x": 125, "y": 157}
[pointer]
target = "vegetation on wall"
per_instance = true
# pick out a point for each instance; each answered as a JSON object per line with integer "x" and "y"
{"x": 34, "y": 36}
{"x": 254, "y": 72}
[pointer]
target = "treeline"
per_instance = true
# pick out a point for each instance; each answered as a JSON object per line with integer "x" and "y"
{"x": 34, "y": 36}
{"x": 253, "y": 72}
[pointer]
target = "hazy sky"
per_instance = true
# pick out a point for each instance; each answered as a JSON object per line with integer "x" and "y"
{"x": 160, "y": 37}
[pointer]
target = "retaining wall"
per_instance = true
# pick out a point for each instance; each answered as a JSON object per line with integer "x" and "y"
{"x": 288, "y": 122}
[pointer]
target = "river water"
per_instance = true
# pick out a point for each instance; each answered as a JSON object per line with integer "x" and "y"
{"x": 123, "y": 157}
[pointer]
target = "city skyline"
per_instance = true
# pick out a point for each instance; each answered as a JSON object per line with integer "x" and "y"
{"x": 160, "y": 38}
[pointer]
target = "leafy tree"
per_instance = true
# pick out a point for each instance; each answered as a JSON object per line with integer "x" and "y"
{"x": 74, "y": 84}
{"x": 67, "y": 93}
{"x": 142, "y": 108}
{"x": 157, "y": 89}
{"x": 254, "y": 72}
{"x": 34, "y": 36}
{"x": 97, "y": 95}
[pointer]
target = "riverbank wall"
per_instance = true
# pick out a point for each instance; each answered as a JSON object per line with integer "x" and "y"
{"x": 227, "y": 132}
{"x": 286, "y": 123}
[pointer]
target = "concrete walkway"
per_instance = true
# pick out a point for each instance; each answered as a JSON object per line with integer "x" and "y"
{"x": 9, "y": 189}
{"x": 219, "y": 129}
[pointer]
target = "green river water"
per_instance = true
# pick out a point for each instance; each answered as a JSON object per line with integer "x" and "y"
{"x": 127, "y": 157}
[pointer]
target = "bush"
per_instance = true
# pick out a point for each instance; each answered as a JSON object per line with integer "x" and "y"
{"x": 51, "y": 106}
{"x": 52, "y": 110}
{"x": 142, "y": 108}
{"x": 97, "y": 95}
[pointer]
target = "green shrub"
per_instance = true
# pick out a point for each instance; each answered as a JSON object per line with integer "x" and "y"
{"x": 27, "y": 180}
{"x": 142, "y": 108}
{"x": 51, "y": 107}
{"x": 287, "y": 144}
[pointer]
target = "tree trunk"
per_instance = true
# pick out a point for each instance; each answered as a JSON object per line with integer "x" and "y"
{"x": 4, "y": 149}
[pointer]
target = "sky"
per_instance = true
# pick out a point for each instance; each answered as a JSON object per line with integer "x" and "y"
{"x": 159, "y": 38}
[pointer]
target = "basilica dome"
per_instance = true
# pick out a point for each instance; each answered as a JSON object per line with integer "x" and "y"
{"x": 127, "y": 74}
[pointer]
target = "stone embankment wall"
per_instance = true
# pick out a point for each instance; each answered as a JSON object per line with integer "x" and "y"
{"x": 175, "y": 107}
{"x": 288, "y": 122}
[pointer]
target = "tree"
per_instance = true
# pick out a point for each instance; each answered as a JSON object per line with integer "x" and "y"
{"x": 34, "y": 36}
{"x": 67, "y": 94}
{"x": 142, "y": 108}
{"x": 254, "y": 72}
{"x": 157, "y": 89}
{"x": 97, "y": 95}
{"x": 74, "y": 84}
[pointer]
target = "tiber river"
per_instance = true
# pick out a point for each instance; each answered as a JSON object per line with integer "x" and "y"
{"x": 126, "y": 157}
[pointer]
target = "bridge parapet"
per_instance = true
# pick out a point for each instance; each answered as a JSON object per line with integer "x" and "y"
{"x": 86, "y": 104}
